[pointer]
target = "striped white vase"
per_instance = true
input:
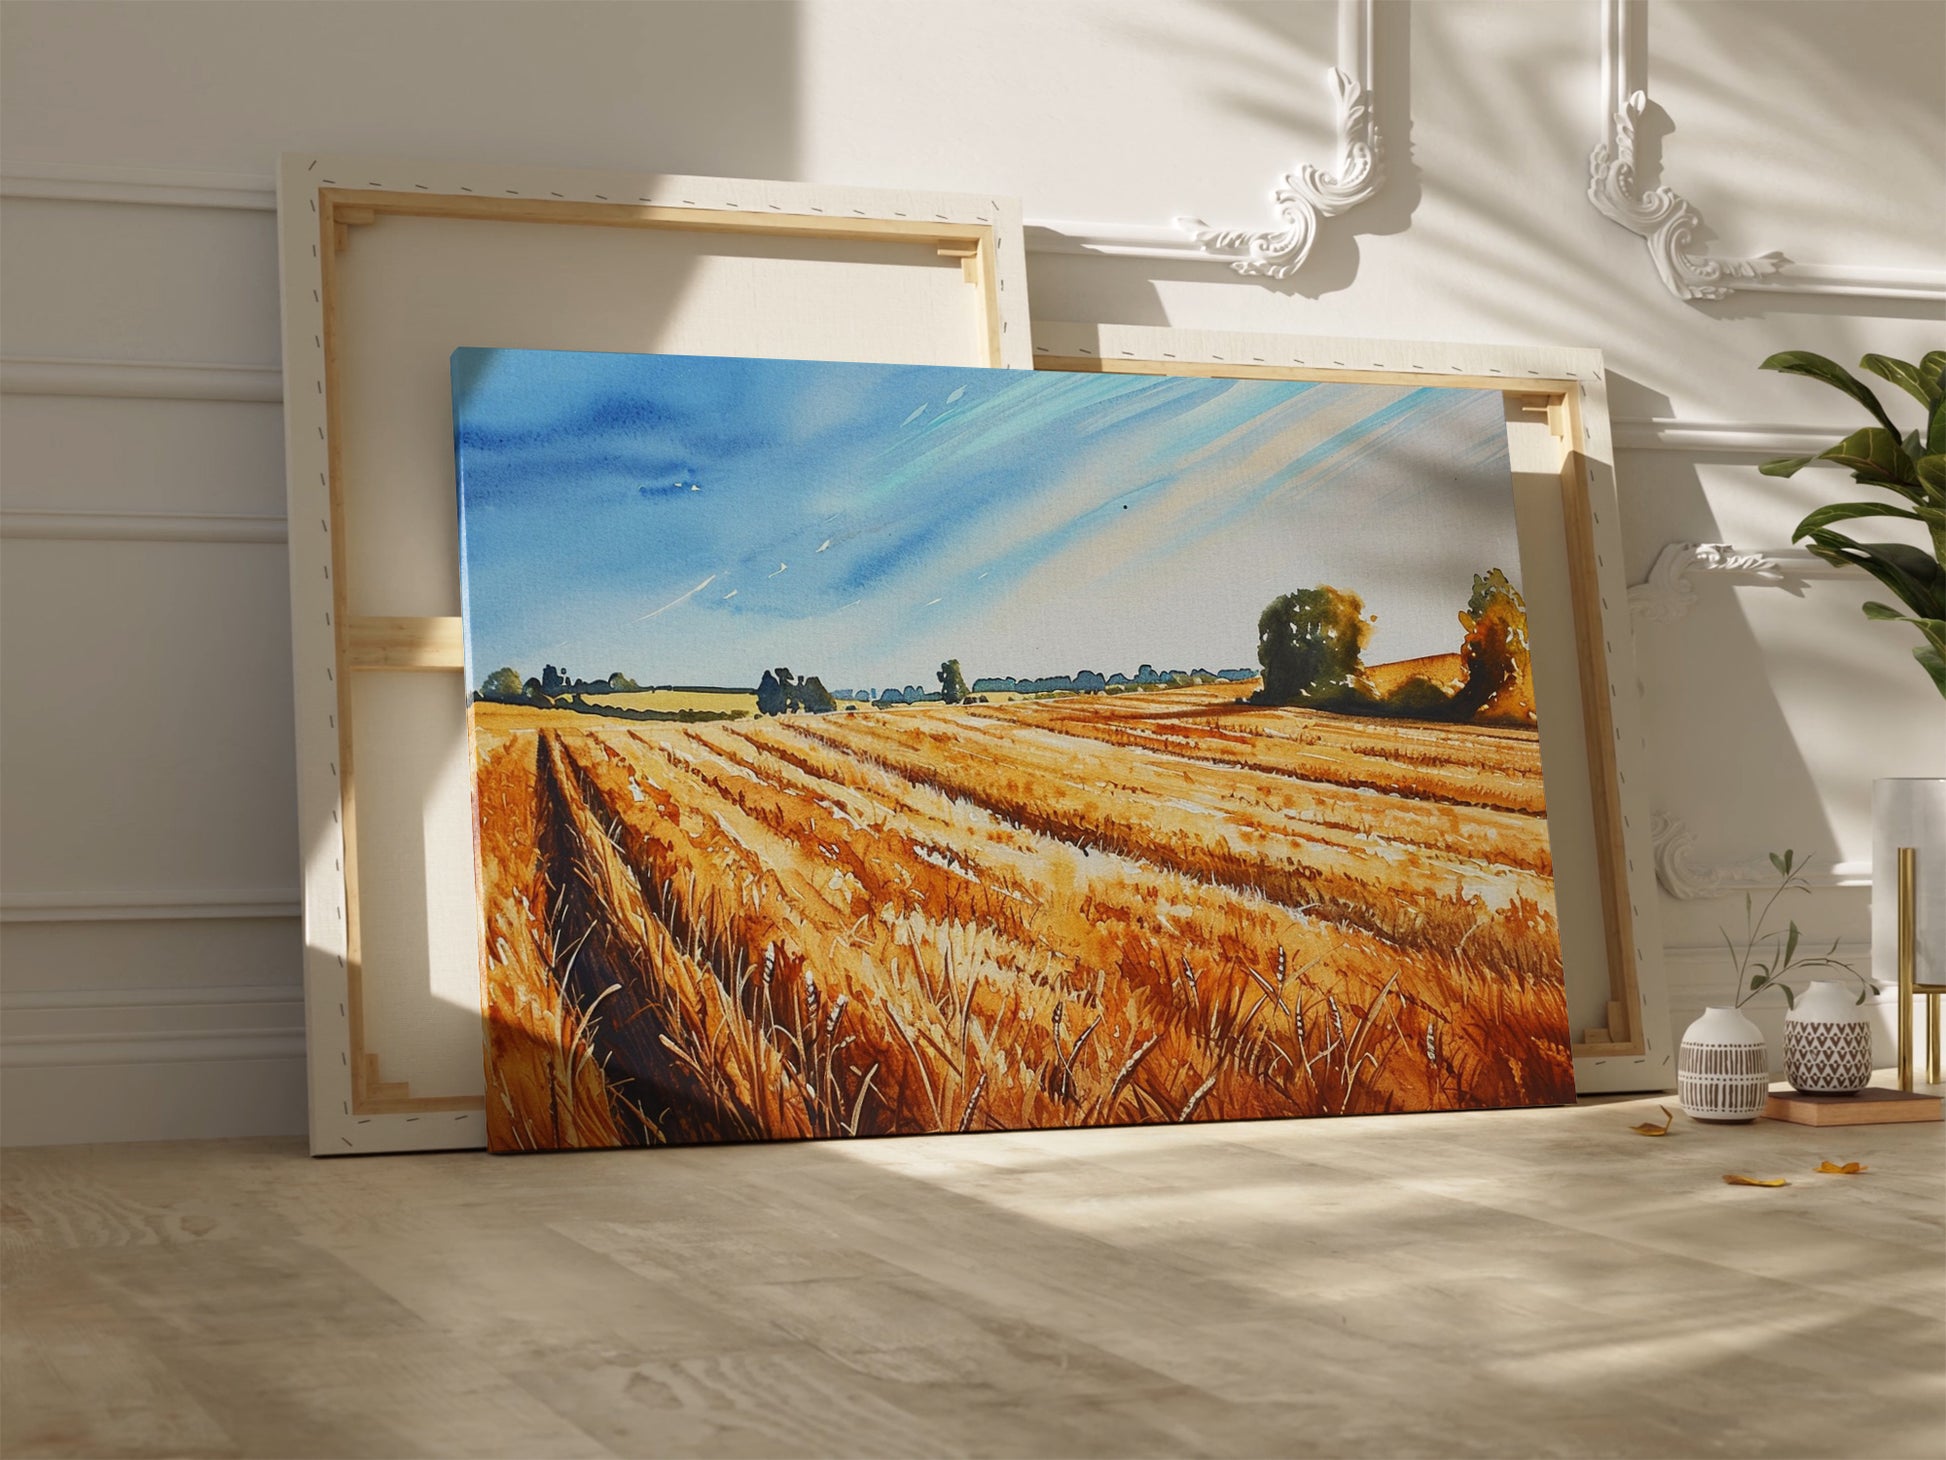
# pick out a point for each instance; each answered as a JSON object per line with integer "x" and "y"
{"x": 1723, "y": 1067}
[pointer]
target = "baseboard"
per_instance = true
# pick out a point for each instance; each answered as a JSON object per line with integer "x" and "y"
{"x": 149, "y": 1064}
{"x": 185, "y": 1099}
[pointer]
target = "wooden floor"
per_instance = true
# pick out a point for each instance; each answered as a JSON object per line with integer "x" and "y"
{"x": 1505, "y": 1284}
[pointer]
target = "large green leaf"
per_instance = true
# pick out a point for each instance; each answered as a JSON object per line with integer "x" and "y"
{"x": 1911, "y": 379}
{"x": 1934, "y": 663}
{"x": 1933, "y": 628}
{"x": 1911, "y": 573}
{"x": 1845, "y": 511}
{"x": 1932, "y": 365}
{"x": 1817, "y": 367}
{"x": 1786, "y": 466}
{"x": 1873, "y": 455}
{"x": 1935, "y": 428}
{"x": 1930, "y": 471}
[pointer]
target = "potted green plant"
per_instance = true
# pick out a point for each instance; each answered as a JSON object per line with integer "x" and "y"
{"x": 1723, "y": 1066}
{"x": 1911, "y": 466}
{"x": 1906, "y": 810}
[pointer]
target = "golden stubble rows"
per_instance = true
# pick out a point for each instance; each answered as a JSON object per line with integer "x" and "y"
{"x": 997, "y": 916}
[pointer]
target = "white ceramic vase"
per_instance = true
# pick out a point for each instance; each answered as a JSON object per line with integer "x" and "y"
{"x": 1723, "y": 1067}
{"x": 1827, "y": 1042}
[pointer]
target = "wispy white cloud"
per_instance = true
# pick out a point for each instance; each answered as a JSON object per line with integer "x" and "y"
{"x": 681, "y": 599}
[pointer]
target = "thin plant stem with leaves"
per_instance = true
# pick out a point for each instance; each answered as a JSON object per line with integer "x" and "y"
{"x": 1767, "y": 955}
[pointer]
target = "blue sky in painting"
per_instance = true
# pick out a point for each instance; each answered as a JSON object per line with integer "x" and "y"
{"x": 692, "y": 520}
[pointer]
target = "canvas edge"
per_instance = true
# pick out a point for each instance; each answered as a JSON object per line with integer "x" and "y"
{"x": 334, "y": 1127}
{"x": 1654, "y": 1068}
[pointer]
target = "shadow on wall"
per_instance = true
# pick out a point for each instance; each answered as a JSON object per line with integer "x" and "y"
{"x": 1711, "y": 657}
{"x": 1501, "y": 235}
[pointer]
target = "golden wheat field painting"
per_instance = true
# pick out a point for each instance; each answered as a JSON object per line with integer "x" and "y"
{"x": 875, "y": 749}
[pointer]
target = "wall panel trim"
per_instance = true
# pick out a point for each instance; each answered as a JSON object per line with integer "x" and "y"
{"x": 152, "y": 1047}
{"x": 253, "y": 192}
{"x": 139, "y": 379}
{"x": 194, "y": 380}
{"x": 33, "y": 523}
{"x": 1735, "y": 438}
{"x": 148, "y": 906}
{"x": 47, "y": 1028}
{"x": 81, "y": 182}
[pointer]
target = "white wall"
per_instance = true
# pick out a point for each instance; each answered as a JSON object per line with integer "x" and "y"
{"x": 147, "y": 855}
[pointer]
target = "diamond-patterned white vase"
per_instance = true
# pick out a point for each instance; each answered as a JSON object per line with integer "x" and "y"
{"x": 1827, "y": 1042}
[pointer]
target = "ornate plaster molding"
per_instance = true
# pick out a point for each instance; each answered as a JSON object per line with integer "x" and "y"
{"x": 1667, "y": 594}
{"x": 1308, "y": 195}
{"x": 1669, "y": 224}
{"x": 1683, "y": 875}
{"x": 1300, "y": 200}
{"x": 1665, "y": 220}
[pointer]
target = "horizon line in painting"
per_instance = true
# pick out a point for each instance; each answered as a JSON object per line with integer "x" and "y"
{"x": 878, "y": 749}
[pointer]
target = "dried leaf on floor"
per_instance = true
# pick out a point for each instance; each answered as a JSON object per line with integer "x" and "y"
{"x": 1850, "y": 1168}
{"x": 1650, "y": 1128}
{"x": 1734, "y": 1180}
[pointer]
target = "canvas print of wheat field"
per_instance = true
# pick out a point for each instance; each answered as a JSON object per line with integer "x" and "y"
{"x": 871, "y": 749}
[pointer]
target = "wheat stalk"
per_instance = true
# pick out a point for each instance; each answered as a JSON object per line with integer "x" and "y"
{"x": 1197, "y": 1099}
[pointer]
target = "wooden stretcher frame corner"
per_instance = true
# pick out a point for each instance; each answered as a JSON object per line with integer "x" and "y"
{"x": 358, "y": 1101}
{"x": 1562, "y": 457}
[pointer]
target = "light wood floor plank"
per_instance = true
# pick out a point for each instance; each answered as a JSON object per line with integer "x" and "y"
{"x": 1510, "y": 1283}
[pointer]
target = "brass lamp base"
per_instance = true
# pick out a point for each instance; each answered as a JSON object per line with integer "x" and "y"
{"x": 1909, "y": 985}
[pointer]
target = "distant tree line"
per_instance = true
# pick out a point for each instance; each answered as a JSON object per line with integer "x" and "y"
{"x": 506, "y": 687}
{"x": 1311, "y": 646}
{"x": 1090, "y": 681}
{"x": 954, "y": 688}
{"x": 556, "y": 689}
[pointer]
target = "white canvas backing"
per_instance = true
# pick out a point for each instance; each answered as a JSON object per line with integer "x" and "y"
{"x": 409, "y": 291}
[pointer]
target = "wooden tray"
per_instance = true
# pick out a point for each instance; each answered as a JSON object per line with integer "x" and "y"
{"x": 1870, "y": 1106}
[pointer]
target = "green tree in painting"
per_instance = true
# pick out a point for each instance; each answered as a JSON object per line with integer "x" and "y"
{"x": 1309, "y": 644}
{"x": 952, "y": 683}
{"x": 1499, "y": 681}
{"x": 812, "y": 696}
{"x": 502, "y": 685}
{"x": 774, "y": 691}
